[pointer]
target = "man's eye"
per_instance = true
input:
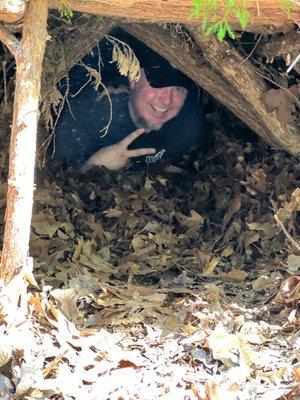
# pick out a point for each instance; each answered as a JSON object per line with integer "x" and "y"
{"x": 178, "y": 89}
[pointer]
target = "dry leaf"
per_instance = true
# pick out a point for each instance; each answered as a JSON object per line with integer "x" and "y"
{"x": 260, "y": 283}
{"x": 236, "y": 275}
{"x": 113, "y": 213}
{"x": 210, "y": 267}
{"x": 202, "y": 259}
{"x": 228, "y": 251}
{"x": 67, "y": 303}
{"x": 233, "y": 207}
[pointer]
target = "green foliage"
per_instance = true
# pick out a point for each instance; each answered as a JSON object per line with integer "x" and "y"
{"x": 207, "y": 11}
{"x": 66, "y": 13}
{"x": 243, "y": 17}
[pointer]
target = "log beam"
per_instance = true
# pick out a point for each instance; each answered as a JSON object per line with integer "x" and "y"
{"x": 232, "y": 89}
{"x": 264, "y": 13}
{"x": 12, "y": 10}
{"x": 23, "y": 140}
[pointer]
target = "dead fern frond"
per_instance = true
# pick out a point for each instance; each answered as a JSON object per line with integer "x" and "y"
{"x": 93, "y": 74}
{"x": 127, "y": 62}
{"x": 51, "y": 103}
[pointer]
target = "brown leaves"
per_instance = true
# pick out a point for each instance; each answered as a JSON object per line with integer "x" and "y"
{"x": 282, "y": 102}
{"x": 205, "y": 262}
{"x": 113, "y": 213}
{"x": 176, "y": 282}
{"x": 233, "y": 207}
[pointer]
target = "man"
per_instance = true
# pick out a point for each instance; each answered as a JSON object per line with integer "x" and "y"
{"x": 157, "y": 118}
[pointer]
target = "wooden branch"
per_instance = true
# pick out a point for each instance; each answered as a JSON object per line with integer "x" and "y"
{"x": 23, "y": 141}
{"x": 270, "y": 13}
{"x": 242, "y": 77}
{"x": 12, "y": 10}
{"x": 10, "y": 41}
{"x": 77, "y": 46}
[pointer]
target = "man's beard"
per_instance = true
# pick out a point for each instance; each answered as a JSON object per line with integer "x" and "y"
{"x": 139, "y": 121}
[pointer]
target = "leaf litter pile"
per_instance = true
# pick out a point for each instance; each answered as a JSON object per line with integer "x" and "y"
{"x": 152, "y": 287}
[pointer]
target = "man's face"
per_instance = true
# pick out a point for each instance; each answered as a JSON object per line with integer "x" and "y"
{"x": 151, "y": 107}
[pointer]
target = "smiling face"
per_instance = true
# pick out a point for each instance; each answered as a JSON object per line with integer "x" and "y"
{"x": 151, "y": 107}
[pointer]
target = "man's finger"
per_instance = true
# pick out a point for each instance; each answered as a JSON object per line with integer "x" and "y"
{"x": 134, "y": 135}
{"x": 140, "y": 152}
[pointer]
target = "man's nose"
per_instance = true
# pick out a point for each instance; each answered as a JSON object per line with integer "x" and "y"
{"x": 165, "y": 95}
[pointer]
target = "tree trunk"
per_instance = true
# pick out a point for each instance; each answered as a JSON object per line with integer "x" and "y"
{"x": 263, "y": 13}
{"x": 238, "y": 91}
{"x": 23, "y": 139}
{"x": 12, "y": 10}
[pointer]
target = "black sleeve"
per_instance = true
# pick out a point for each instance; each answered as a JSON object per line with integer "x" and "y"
{"x": 78, "y": 132}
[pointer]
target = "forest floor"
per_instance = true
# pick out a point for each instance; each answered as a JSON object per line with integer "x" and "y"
{"x": 148, "y": 286}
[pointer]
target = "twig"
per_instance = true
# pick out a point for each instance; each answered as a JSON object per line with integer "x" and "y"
{"x": 4, "y": 87}
{"x": 10, "y": 41}
{"x": 106, "y": 128}
{"x": 286, "y": 232}
{"x": 253, "y": 50}
{"x": 297, "y": 59}
{"x": 257, "y": 7}
{"x": 51, "y": 136}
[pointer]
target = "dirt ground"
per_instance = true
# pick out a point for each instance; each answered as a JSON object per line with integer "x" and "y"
{"x": 149, "y": 286}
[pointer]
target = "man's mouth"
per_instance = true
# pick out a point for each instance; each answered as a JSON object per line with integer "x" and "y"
{"x": 159, "y": 109}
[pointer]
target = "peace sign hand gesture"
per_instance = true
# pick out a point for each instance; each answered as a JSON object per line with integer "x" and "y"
{"x": 117, "y": 156}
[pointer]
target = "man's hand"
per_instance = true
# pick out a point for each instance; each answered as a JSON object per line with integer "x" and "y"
{"x": 117, "y": 155}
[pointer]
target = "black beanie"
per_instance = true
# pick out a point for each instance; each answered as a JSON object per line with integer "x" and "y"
{"x": 159, "y": 72}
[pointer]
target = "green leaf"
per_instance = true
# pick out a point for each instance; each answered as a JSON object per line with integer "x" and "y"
{"x": 66, "y": 13}
{"x": 230, "y": 31}
{"x": 229, "y": 3}
{"x": 221, "y": 32}
{"x": 243, "y": 17}
{"x": 198, "y": 6}
{"x": 214, "y": 28}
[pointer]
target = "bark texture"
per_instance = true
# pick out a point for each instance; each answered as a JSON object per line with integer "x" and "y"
{"x": 264, "y": 13}
{"x": 23, "y": 140}
{"x": 12, "y": 10}
{"x": 222, "y": 72}
{"x": 243, "y": 77}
